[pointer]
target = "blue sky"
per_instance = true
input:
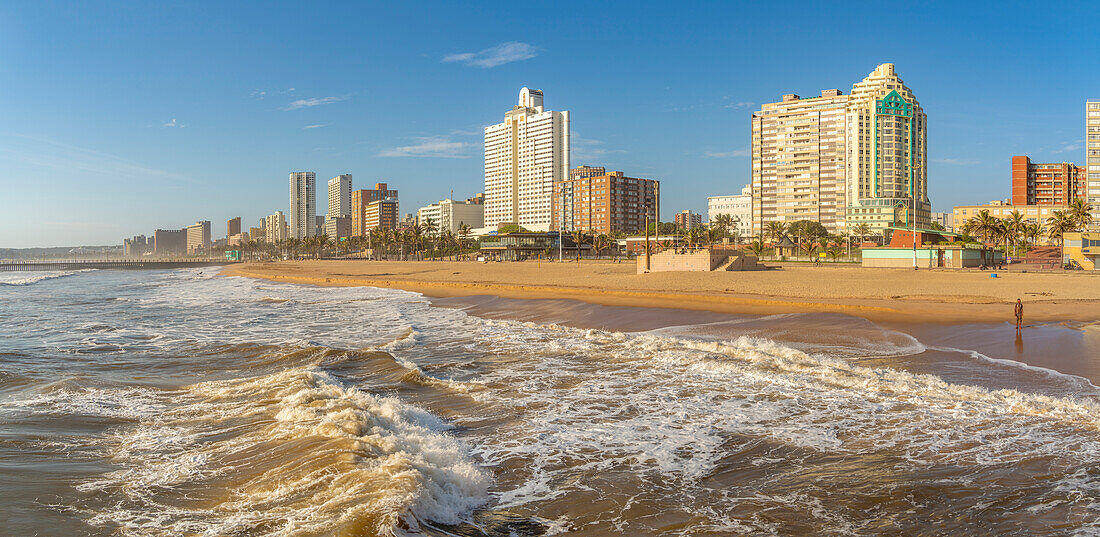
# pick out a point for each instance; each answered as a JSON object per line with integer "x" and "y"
{"x": 118, "y": 118}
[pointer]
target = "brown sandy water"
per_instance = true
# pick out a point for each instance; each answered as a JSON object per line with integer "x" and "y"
{"x": 174, "y": 403}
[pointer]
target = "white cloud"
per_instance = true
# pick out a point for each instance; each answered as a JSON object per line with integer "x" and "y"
{"x": 429, "y": 147}
{"x": 587, "y": 149}
{"x": 742, "y": 104}
{"x": 1072, "y": 146}
{"x": 173, "y": 124}
{"x": 311, "y": 102}
{"x": 258, "y": 94}
{"x": 318, "y": 126}
{"x": 512, "y": 51}
{"x": 728, "y": 154}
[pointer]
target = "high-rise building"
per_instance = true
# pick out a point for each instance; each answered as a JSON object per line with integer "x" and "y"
{"x": 1092, "y": 162}
{"x": 339, "y": 195}
{"x": 198, "y": 237}
{"x": 169, "y": 242}
{"x": 360, "y": 199}
{"x": 738, "y": 206}
{"x": 887, "y": 160}
{"x": 450, "y": 215}
{"x": 303, "y": 204}
{"x": 1056, "y": 183}
{"x": 524, "y": 156}
{"x": 842, "y": 159}
{"x": 136, "y": 246}
{"x": 798, "y": 154}
{"x": 686, "y": 219}
{"x": 604, "y": 203}
{"x": 233, "y": 226}
{"x": 947, "y": 220}
{"x": 257, "y": 234}
{"x": 275, "y": 228}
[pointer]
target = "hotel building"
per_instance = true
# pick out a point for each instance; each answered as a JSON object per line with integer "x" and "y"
{"x": 595, "y": 201}
{"x": 524, "y": 156}
{"x": 360, "y": 202}
{"x": 738, "y": 206}
{"x": 842, "y": 159}
{"x": 303, "y": 203}
{"x": 449, "y": 214}
{"x": 1046, "y": 183}
{"x": 198, "y": 237}
{"x": 1092, "y": 162}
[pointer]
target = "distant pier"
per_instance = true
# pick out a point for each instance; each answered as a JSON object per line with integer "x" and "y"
{"x": 124, "y": 264}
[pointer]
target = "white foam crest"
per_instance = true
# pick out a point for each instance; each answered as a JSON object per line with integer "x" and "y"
{"x": 596, "y": 401}
{"x": 17, "y": 278}
{"x": 125, "y": 402}
{"x": 1078, "y": 381}
{"x": 297, "y": 454}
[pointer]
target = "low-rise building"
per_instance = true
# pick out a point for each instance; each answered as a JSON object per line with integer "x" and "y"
{"x": 1032, "y": 214}
{"x": 449, "y": 214}
{"x": 738, "y": 206}
{"x": 1083, "y": 249}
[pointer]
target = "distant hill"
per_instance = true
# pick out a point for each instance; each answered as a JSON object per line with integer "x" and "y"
{"x": 61, "y": 252}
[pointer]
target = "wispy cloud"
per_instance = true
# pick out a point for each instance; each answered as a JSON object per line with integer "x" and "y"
{"x": 318, "y": 126}
{"x": 173, "y": 124}
{"x": 1071, "y": 146}
{"x": 70, "y": 159}
{"x": 258, "y": 94}
{"x": 587, "y": 149}
{"x": 429, "y": 147}
{"x": 729, "y": 154}
{"x": 512, "y": 51}
{"x": 956, "y": 161}
{"x": 738, "y": 105}
{"x": 311, "y": 102}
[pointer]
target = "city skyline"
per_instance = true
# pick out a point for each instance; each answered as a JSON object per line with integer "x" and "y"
{"x": 133, "y": 135}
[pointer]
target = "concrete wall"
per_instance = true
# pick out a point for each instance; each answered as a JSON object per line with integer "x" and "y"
{"x": 697, "y": 261}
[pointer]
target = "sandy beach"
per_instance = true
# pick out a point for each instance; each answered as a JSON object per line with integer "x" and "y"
{"x": 889, "y": 295}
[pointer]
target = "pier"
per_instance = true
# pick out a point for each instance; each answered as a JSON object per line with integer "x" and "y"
{"x": 122, "y": 264}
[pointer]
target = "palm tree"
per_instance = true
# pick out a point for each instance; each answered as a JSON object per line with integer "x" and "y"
{"x": 601, "y": 242}
{"x": 1080, "y": 212}
{"x": 580, "y": 238}
{"x": 464, "y": 232}
{"x": 983, "y": 225}
{"x": 1012, "y": 227}
{"x": 723, "y": 222}
{"x": 1031, "y": 233}
{"x": 1057, "y": 226}
{"x": 776, "y": 230}
{"x": 757, "y": 247}
{"x": 862, "y": 230}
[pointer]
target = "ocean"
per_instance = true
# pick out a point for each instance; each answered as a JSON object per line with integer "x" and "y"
{"x": 167, "y": 403}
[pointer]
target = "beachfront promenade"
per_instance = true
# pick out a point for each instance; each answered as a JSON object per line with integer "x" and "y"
{"x": 135, "y": 264}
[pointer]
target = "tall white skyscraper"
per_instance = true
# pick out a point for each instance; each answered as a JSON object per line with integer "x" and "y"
{"x": 1092, "y": 159}
{"x": 303, "y": 203}
{"x": 524, "y": 156}
{"x": 339, "y": 196}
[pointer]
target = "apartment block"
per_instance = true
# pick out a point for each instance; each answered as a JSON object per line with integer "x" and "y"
{"x": 450, "y": 215}
{"x": 198, "y": 237}
{"x": 524, "y": 157}
{"x": 303, "y": 205}
{"x": 686, "y": 219}
{"x": 1092, "y": 160}
{"x": 233, "y": 226}
{"x": 606, "y": 203}
{"x": 1056, "y": 183}
{"x": 381, "y": 213}
{"x": 738, "y": 206}
{"x": 361, "y": 200}
{"x": 339, "y": 196}
{"x": 337, "y": 227}
{"x": 275, "y": 228}
{"x": 257, "y": 234}
{"x": 842, "y": 159}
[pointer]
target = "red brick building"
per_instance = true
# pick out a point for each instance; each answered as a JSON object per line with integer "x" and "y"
{"x": 604, "y": 203}
{"x": 1046, "y": 183}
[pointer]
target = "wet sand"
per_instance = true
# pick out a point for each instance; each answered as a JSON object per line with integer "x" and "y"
{"x": 880, "y": 295}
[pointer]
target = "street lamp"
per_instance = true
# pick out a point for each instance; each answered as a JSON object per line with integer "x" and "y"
{"x": 913, "y": 212}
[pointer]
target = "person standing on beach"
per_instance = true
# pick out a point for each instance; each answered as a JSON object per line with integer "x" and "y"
{"x": 1019, "y": 315}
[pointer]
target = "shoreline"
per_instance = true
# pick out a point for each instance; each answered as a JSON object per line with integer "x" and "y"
{"x": 808, "y": 289}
